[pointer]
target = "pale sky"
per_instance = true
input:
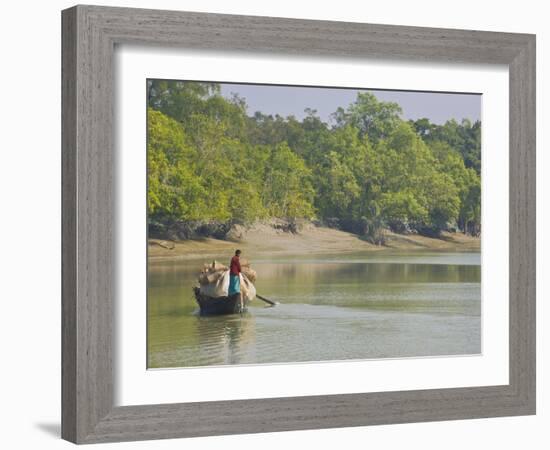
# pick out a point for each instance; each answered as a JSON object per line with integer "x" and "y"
{"x": 291, "y": 100}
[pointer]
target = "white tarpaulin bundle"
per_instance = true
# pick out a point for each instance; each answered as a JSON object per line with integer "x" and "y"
{"x": 214, "y": 281}
{"x": 247, "y": 288}
{"x": 218, "y": 287}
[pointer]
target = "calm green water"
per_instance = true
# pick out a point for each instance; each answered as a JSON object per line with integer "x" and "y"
{"x": 341, "y": 307}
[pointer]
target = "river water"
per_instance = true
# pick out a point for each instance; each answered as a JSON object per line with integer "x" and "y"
{"x": 340, "y": 307}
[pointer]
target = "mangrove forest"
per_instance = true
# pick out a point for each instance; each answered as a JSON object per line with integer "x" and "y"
{"x": 210, "y": 165}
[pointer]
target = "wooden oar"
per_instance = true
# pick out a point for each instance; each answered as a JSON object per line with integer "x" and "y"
{"x": 272, "y": 303}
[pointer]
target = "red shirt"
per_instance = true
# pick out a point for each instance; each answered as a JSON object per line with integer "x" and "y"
{"x": 235, "y": 267}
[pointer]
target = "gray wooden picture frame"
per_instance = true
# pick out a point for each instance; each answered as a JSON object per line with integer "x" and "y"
{"x": 90, "y": 34}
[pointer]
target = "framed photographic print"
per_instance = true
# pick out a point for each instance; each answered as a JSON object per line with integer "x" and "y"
{"x": 278, "y": 224}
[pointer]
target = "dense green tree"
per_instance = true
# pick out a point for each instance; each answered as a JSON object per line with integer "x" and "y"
{"x": 423, "y": 127}
{"x": 338, "y": 188}
{"x": 370, "y": 116}
{"x": 174, "y": 188}
{"x": 287, "y": 191}
{"x": 464, "y": 137}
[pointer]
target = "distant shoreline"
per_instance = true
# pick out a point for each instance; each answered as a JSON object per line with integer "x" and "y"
{"x": 311, "y": 240}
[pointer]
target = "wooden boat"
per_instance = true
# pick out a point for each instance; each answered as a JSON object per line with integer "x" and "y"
{"x": 211, "y": 306}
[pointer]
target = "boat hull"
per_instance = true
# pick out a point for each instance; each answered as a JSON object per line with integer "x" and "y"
{"x": 215, "y": 306}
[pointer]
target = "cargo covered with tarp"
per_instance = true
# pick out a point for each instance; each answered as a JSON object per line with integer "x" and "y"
{"x": 214, "y": 281}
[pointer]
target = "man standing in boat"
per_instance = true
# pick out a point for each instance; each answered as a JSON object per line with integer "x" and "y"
{"x": 235, "y": 275}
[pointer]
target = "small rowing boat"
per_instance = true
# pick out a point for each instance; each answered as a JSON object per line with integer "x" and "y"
{"x": 212, "y": 306}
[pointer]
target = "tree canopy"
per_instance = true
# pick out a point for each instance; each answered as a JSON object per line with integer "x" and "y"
{"x": 209, "y": 161}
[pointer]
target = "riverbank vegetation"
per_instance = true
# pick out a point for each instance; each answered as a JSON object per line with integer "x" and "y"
{"x": 211, "y": 166}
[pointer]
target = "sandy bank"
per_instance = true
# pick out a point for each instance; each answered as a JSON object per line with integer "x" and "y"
{"x": 310, "y": 240}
